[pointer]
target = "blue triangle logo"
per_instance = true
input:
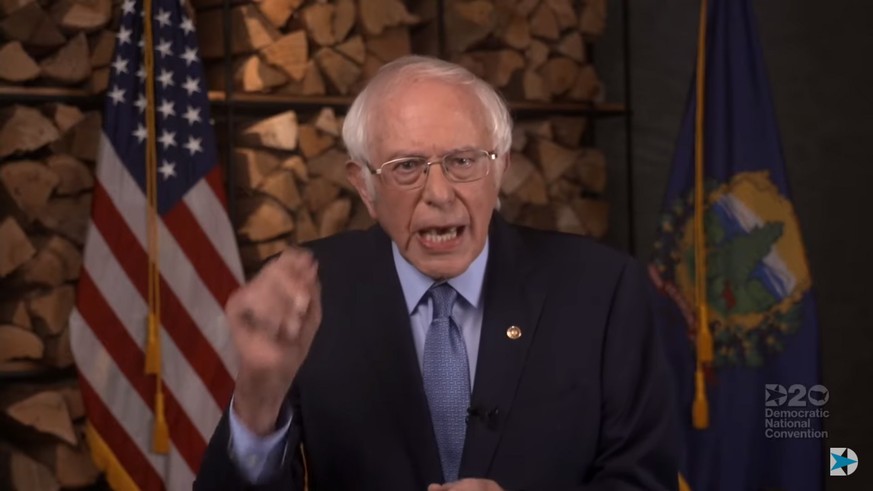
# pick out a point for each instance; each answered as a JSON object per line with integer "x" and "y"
{"x": 840, "y": 461}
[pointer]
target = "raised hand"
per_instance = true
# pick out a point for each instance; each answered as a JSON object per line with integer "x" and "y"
{"x": 273, "y": 320}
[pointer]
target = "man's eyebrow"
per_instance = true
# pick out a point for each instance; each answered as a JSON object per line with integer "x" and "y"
{"x": 405, "y": 153}
{"x": 419, "y": 154}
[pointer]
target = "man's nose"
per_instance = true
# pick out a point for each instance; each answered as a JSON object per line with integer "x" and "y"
{"x": 438, "y": 190}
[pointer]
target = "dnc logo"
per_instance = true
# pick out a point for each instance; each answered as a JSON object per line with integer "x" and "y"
{"x": 844, "y": 461}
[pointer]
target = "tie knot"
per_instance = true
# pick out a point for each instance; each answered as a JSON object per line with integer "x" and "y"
{"x": 443, "y": 296}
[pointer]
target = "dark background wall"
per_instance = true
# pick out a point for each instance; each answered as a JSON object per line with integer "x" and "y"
{"x": 818, "y": 56}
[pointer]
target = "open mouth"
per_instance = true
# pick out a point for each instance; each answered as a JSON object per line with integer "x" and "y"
{"x": 441, "y": 235}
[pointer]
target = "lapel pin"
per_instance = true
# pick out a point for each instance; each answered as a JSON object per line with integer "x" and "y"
{"x": 513, "y": 333}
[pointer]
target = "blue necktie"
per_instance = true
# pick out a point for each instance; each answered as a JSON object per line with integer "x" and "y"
{"x": 446, "y": 377}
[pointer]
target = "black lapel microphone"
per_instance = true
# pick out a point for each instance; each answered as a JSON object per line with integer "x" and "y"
{"x": 483, "y": 416}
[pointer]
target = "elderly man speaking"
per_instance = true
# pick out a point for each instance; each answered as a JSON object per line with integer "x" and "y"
{"x": 443, "y": 349}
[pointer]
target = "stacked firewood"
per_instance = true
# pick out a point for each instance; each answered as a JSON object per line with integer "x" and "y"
{"x": 65, "y": 43}
{"x": 530, "y": 49}
{"x": 553, "y": 183}
{"x": 46, "y": 178}
{"x": 303, "y": 47}
{"x": 292, "y": 187}
{"x": 291, "y": 184}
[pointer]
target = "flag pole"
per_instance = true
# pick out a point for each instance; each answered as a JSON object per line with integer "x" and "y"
{"x": 160, "y": 431}
{"x": 700, "y": 407}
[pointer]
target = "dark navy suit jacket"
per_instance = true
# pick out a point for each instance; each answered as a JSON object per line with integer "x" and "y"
{"x": 581, "y": 401}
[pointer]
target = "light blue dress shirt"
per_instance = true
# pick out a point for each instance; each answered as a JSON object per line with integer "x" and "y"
{"x": 258, "y": 457}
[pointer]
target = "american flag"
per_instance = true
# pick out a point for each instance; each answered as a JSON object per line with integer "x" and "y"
{"x": 197, "y": 256}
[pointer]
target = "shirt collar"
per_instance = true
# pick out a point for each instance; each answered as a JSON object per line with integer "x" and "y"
{"x": 415, "y": 284}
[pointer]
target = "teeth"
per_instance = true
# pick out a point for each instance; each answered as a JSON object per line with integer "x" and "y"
{"x": 433, "y": 236}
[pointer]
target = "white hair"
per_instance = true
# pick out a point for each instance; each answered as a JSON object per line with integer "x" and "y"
{"x": 358, "y": 118}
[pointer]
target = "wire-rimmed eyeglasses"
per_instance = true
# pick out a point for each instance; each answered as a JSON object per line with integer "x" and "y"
{"x": 458, "y": 166}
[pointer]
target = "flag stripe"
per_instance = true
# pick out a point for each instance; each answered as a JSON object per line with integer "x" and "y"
{"x": 137, "y": 466}
{"x": 114, "y": 391}
{"x": 207, "y": 262}
{"x": 176, "y": 270}
{"x": 130, "y": 359}
{"x": 207, "y": 206}
{"x": 125, "y": 302}
{"x": 176, "y": 319}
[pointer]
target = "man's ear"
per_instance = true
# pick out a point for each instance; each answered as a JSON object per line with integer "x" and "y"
{"x": 355, "y": 175}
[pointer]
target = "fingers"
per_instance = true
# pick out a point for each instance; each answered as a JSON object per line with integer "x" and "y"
{"x": 279, "y": 300}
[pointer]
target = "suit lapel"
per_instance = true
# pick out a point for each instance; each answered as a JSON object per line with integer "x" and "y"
{"x": 382, "y": 327}
{"x": 508, "y": 302}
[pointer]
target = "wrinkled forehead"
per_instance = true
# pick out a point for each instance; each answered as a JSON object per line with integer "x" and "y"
{"x": 425, "y": 112}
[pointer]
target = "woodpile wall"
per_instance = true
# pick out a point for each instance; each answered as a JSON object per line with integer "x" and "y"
{"x": 47, "y": 154}
{"x": 289, "y": 166}
{"x": 287, "y": 163}
{"x": 46, "y": 180}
